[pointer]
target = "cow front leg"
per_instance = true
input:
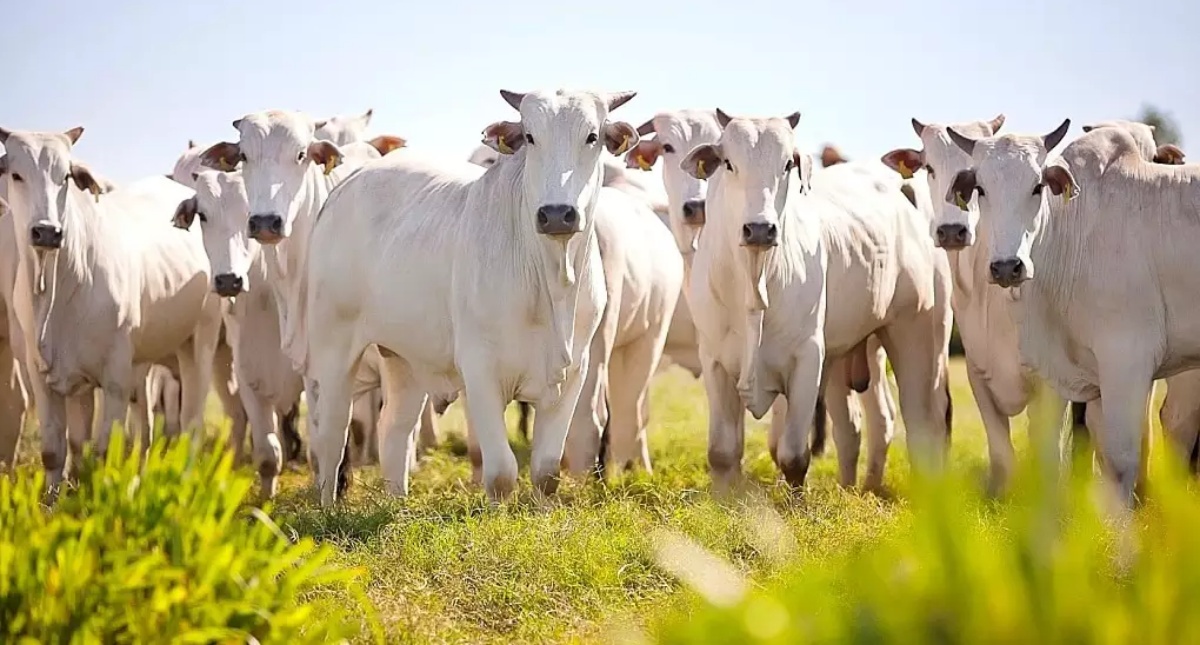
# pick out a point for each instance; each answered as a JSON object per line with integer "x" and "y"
{"x": 794, "y": 453}
{"x": 551, "y": 422}
{"x": 726, "y": 426}
{"x": 485, "y": 413}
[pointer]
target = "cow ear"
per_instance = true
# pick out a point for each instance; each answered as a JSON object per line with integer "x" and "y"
{"x": 962, "y": 189}
{"x": 804, "y": 168}
{"x": 386, "y": 143}
{"x": 644, "y": 155}
{"x": 325, "y": 153}
{"x": 222, "y": 156}
{"x": 831, "y": 156}
{"x": 505, "y": 137}
{"x": 702, "y": 161}
{"x": 86, "y": 180}
{"x": 185, "y": 213}
{"x": 905, "y": 161}
{"x": 1169, "y": 154}
{"x": 365, "y": 117}
{"x": 1060, "y": 181}
{"x": 73, "y": 134}
{"x": 619, "y": 137}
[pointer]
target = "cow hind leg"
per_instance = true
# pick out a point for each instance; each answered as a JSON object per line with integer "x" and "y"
{"x": 427, "y": 439}
{"x": 845, "y": 430}
{"x": 880, "y": 417}
{"x": 632, "y": 369}
{"x": 918, "y": 362}
{"x": 141, "y": 418}
{"x": 289, "y": 427}
{"x": 403, "y": 405}
{"x": 726, "y": 426}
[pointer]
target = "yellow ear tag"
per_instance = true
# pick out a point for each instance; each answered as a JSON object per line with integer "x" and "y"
{"x": 624, "y": 145}
{"x": 95, "y": 190}
{"x": 504, "y": 148}
{"x": 225, "y": 165}
{"x": 700, "y": 169}
{"x": 960, "y": 202}
{"x": 642, "y": 163}
{"x": 331, "y": 163}
{"x": 1067, "y": 193}
{"x": 905, "y": 173}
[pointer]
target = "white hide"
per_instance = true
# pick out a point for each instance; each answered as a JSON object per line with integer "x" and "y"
{"x": 344, "y": 129}
{"x": 853, "y": 258}
{"x": 443, "y": 265}
{"x": 125, "y": 290}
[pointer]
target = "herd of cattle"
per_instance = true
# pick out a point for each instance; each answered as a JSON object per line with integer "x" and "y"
{"x": 383, "y": 283}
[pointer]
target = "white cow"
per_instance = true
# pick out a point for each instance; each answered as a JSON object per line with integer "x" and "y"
{"x": 788, "y": 276}
{"x": 676, "y": 133}
{"x": 13, "y": 397}
{"x": 116, "y": 289}
{"x": 489, "y": 282}
{"x": 270, "y": 385}
{"x": 1099, "y": 241}
{"x": 288, "y": 175}
{"x": 343, "y": 130}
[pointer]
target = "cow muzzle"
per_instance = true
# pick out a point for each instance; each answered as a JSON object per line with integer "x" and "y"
{"x": 558, "y": 219}
{"x": 46, "y": 236}
{"x": 228, "y": 285}
{"x": 953, "y": 237}
{"x": 266, "y": 229}
{"x": 693, "y": 212}
{"x": 760, "y": 234}
{"x": 1008, "y": 273}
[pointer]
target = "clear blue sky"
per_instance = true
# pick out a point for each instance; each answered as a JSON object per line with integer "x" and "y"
{"x": 143, "y": 77}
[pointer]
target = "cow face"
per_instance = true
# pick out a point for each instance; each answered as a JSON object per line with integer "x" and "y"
{"x": 757, "y": 167}
{"x": 953, "y": 228}
{"x": 675, "y": 134}
{"x": 44, "y": 182}
{"x": 1012, "y": 183}
{"x": 282, "y": 161}
{"x": 221, "y": 205}
{"x": 344, "y": 130}
{"x": 562, "y": 135}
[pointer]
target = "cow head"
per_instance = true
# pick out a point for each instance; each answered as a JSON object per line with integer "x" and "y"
{"x": 44, "y": 181}
{"x": 560, "y": 137}
{"x": 675, "y": 134}
{"x": 221, "y": 206}
{"x": 758, "y": 167}
{"x": 1143, "y": 135}
{"x": 1012, "y": 183}
{"x": 343, "y": 130}
{"x": 953, "y": 228}
{"x": 281, "y": 160}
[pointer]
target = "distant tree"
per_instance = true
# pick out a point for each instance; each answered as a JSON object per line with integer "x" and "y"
{"x": 1166, "y": 129}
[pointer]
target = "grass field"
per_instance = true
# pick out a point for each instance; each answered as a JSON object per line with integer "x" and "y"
{"x": 445, "y": 566}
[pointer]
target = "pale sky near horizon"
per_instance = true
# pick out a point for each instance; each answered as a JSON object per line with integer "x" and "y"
{"x": 144, "y": 77}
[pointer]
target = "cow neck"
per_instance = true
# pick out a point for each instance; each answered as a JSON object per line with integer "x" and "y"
{"x": 547, "y": 268}
{"x": 60, "y": 274}
{"x": 289, "y": 261}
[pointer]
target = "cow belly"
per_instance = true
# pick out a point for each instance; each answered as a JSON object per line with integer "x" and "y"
{"x": 169, "y": 321}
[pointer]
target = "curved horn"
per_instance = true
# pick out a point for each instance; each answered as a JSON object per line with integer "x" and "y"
{"x": 918, "y": 127}
{"x": 237, "y": 124}
{"x": 191, "y": 144}
{"x": 513, "y": 98}
{"x": 793, "y": 119}
{"x": 74, "y": 133}
{"x": 646, "y": 128}
{"x": 1054, "y": 138}
{"x": 723, "y": 118}
{"x": 966, "y": 144}
{"x": 997, "y": 123}
{"x": 617, "y": 99}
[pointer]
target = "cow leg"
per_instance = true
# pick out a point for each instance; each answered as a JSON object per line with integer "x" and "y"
{"x": 845, "y": 431}
{"x": 52, "y": 413}
{"x": 880, "y": 416}
{"x": 474, "y": 452}
{"x": 918, "y": 362}
{"x": 1124, "y": 389}
{"x": 12, "y": 406}
{"x": 1180, "y": 415}
{"x": 779, "y": 409}
{"x": 794, "y": 453}
{"x": 403, "y": 403}
{"x": 726, "y": 426}
{"x": 1045, "y": 412}
{"x": 427, "y": 439}
{"x": 141, "y": 420}
{"x": 80, "y": 411}
{"x": 228, "y": 391}
{"x": 629, "y": 394}
{"x": 999, "y": 436}
{"x": 264, "y": 442}
{"x": 551, "y": 423}
{"x": 485, "y": 413}
{"x": 330, "y": 391}
{"x": 587, "y": 421}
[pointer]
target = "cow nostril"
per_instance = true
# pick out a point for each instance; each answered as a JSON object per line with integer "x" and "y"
{"x": 542, "y": 218}
{"x": 570, "y": 216}
{"x": 772, "y": 231}
{"x": 747, "y": 232}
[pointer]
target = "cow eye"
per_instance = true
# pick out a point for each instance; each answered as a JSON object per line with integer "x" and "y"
{"x": 668, "y": 148}
{"x": 929, "y": 169}
{"x": 17, "y": 177}
{"x": 529, "y": 139}
{"x": 728, "y": 166}
{"x": 1037, "y": 188}
{"x": 788, "y": 165}
{"x": 979, "y": 189}
{"x": 300, "y": 156}
{"x": 203, "y": 219}
{"x": 592, "y": 138}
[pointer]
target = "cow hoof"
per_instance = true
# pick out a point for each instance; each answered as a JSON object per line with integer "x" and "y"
{"x": 794, "y": 469}
{"x": 501, "y": 488}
